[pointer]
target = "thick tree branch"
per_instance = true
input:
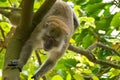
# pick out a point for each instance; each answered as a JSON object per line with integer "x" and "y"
{"x": 18, "y": 40}
{"x": 22, "y": 33}
{"x": 41, "y": 12}
{"x": 91, "y": 57}
{"x": 86, "y": 53}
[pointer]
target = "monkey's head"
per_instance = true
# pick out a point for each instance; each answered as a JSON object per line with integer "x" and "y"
{"x": 54, "y": 35}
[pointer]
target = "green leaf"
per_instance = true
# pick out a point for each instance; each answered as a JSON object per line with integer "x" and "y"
{"x": 0, "y": 77}
{"x": 116, "y": 58}
{"x": 3, "y": 4}
{"x": 91, "y": 8}
{"x": 57, "y": 77}
{"x": 116, "y": 20}
{"x": 68, "y": 77}
{"x": 5, "y": 26}
{"x": 2, "y": 0}
{"x": 95, "y": 78}
{"x": 102, "y": 24}
{"x": 78, "y": 77}
{"x": 113, "y": 72}
{"x": 87, "y": 40}
{"x": 80, "y": 1}
{"x": 87, "y": 71}
{"x": 94, "y": 1}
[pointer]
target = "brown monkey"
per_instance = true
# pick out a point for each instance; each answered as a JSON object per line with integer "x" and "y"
{"x": 52, "y": 34}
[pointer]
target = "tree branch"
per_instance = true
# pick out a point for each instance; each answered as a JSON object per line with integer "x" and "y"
{"x": 13, "y": 16}
{"x": 17, "y": 41}
{"x": 91, "y": 57}
{"x": 39, "y": 61}
{"x": 41, "y": 12}
{"x": 90, "y": 48}
{"x": 4, "y": 13}
{"x": 22, "y": 34}
{"x": 38, "y": 57}
{"x": 9, "y": 35}
{"x": 11, "y": 8}
{"x": 2, "y": 32}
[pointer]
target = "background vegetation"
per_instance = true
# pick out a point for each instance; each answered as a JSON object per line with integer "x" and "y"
{"x": 97, "y": 40}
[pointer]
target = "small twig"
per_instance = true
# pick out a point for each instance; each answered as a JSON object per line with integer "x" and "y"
{"x": 1, "y": 49}
{"x": 98, "y": 61}
{"x": 94, "y": 33}
{"x": 38, "y": 57}
{"x": 102, "y": 71}
{"x": 9, "y": 35}
{"x": 10, "y": 2}
{"x": 5, "y": 13}
{"x": 81, "y": 51}
{"x": 90, "y": 48}
{"x": 39, "y": 61}
{"x": 21, "y": 4}
{"x": 2, "y": 32}
{"x": 11, "y": 8}
{"x": 6, "y": 39}
{"x": 108, "y": 48}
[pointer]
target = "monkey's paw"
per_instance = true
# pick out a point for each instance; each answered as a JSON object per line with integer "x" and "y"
{"x": 35, "y": 77}
{"x": 15, "y": 65}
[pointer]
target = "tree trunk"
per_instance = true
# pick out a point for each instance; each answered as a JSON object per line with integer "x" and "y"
{"x": 18, "y": 40}
{"x": 21, "y": 34}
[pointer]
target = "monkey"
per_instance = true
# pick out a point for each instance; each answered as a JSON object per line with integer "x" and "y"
{"x": 52, "y": 34}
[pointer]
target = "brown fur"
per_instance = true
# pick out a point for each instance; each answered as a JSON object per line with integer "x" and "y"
{"x": 52, "y": 34}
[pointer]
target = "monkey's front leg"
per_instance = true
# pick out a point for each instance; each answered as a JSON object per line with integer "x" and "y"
{"x": 49, "y": 64}
{"x": 15, "y": 65}
{"x": 54, "y": 55}
{"x": 24, "y": 55}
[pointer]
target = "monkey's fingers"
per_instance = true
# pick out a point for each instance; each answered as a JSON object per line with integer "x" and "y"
{"x": 17, "y": 67}
{"x": 14, "y": 64}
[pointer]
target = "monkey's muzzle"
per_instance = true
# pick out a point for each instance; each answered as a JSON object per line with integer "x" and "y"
{"x": 48, "y": 44}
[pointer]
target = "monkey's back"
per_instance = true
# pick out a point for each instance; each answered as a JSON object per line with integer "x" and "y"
{"x": 64, "y": 12}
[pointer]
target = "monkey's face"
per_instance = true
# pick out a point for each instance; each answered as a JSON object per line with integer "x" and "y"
{"x": 53, "y": 36}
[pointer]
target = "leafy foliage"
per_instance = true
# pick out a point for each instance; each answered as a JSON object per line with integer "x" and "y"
{"x": 97, "y": 24}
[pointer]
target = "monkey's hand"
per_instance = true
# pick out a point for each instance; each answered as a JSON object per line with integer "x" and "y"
{"x": 15, "y": 65}
{"x": 35, "y": 77}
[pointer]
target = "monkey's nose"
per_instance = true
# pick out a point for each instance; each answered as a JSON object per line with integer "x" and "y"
{"x": 48, "y": 45}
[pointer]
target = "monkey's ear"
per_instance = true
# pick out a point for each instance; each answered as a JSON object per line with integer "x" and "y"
{"x": 46, "y": 25}
{"x": 66, "y": 33}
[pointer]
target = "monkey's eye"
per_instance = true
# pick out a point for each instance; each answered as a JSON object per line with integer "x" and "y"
{"x": 46, "y": 37}
{"x": 46, "y": 25}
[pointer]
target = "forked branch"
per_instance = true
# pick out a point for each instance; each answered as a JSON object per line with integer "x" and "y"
{"x": 91, "y": 57}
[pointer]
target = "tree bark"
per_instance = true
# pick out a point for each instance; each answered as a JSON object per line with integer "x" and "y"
{"x": 21, "y": 34}
{"x": 17, "y": 41}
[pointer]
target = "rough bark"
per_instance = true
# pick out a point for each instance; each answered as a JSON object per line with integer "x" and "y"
{"x": 22, "y": 33}
{"x": 17, "y": 41}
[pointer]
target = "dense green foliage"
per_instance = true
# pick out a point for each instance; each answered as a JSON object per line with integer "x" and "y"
{"x": 99, "y": 22}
